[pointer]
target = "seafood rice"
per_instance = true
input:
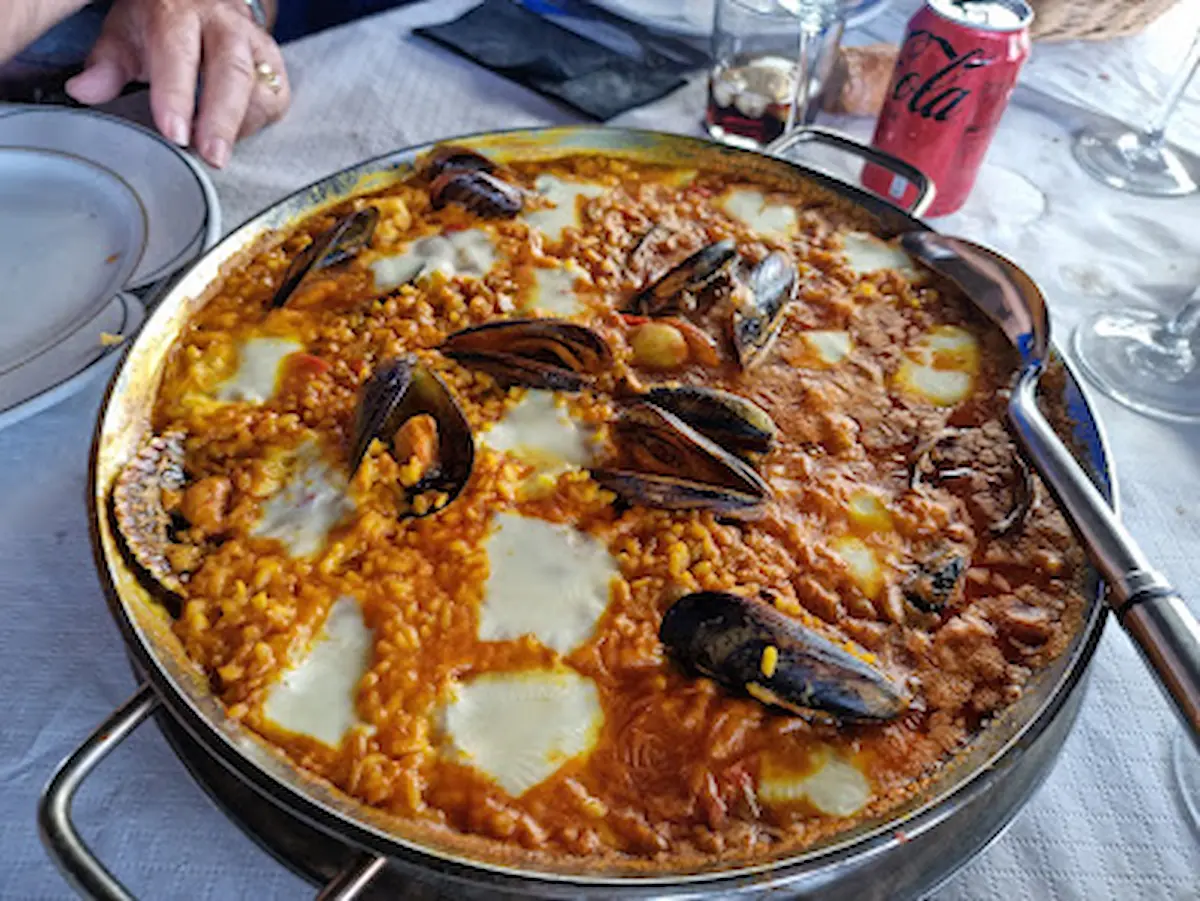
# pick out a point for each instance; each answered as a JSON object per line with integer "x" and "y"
{"x": 598, "y": 509}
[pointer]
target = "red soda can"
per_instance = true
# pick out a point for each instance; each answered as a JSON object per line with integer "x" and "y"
{"x": 956, "y": 70}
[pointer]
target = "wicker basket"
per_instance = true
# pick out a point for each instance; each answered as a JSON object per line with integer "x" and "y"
{"x": 1093, "y": 20}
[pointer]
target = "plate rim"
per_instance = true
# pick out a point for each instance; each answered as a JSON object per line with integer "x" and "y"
{"x": 103, "y": 303}
{"x": 210, "y": 228}
{"x": 135, "y": 314}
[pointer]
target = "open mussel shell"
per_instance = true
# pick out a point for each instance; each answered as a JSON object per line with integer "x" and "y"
{"x": 535, "y": 353}
{"x": 764, "y": 297}
{"x": 139, "y": 510}
{"x": 737, "y": 424}
{"x": 667, "y": 464}
{"x": 399, "y": 390}
{"x": 480, "y": 192}
{"x": 924, "y": 467}
{"x": 348, "y": 237}
{"x": 454, "y": 157}
{"x": 666, "y": 293}
{"x": 726, "y": 637}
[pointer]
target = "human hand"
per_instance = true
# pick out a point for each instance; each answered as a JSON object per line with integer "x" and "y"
{"x": 172, "y": 44}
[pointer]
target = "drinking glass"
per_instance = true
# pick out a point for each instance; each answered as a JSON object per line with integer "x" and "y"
{"x": 758, "y": 47}
{"x": 1145, "y": 359}
{"x": 1142, "y": 161}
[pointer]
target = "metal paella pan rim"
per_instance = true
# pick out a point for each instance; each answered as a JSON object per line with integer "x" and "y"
{"x": 124, "y": 418}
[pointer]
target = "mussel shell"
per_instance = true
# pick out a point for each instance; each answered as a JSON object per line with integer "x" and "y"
{"x": 734, "y": 422}
{"x": 536, "y": 353}
{"x": 723, "y": 636}
{"x": 664, "y": 492}
{"x": 702, "y": 268}
{"x": 346, "y": 239}
{"x": 454, "y": 157}
{"x": 400, "y": 389}
{"x": 937, "y": 581}
{"x": 770, "y": 287}
{"x": 923, "y": 465}
{"x": 671, "y": 466}
{"x": 138, "y": 509}
{"x": 480, "y": 192}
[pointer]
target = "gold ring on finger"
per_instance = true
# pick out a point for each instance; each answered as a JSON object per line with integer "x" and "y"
{"x": 268, "y": 77}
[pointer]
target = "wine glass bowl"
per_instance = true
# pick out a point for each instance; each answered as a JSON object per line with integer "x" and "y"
{"x": 1140, "y": 160}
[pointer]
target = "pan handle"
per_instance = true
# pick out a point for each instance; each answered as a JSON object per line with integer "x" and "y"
{"x": 82, "y": 869}
{"x": 895, "y": 165}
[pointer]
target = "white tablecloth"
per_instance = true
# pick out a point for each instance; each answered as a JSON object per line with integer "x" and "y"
{"x": 1106, "y": 825}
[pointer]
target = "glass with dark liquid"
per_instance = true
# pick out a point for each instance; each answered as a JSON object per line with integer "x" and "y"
{"x": 759, "y": 46}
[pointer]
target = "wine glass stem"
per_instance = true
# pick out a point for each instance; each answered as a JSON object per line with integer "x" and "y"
{"x": 1186, "y": 322}
{"x": 1154, "y": 134}
{"x": 799, "y": 107}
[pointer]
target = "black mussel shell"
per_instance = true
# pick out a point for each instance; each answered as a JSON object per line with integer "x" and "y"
{"x": 936, "y": 582}
{"x": 400, "y": 389}
{"x": 724, "y": 636}
{"x": 737, "y": 424}
{"x": 346, "y": 239}
{"x": 663, "y": 492}
{"x": 454, "y": 157}
{"x": 666, "y": 293}
{"x": 480, "y": 192}
{"x": 924, "y": 465}
{"x": 667, "y": 464}
{"x": 770, "y": 287}
{"x": 535, "y": 353}
{"x": 138, "y": 508}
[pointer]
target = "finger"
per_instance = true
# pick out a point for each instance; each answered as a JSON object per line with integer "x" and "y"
{"x": 172, "y": 49}
{"x": 268, "y": 104}
{"x": 228, "y": 83}
{"x": 111, "y": 65}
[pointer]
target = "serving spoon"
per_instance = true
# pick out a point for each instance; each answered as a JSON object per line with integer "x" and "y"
{"x": 1150, "y": 611}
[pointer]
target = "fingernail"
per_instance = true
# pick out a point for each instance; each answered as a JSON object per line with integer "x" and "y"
{"x": 217, "y": 152}
{"x": 176, "y": 130}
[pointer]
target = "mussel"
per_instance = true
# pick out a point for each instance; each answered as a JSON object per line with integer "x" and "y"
{"x": 671, "y": 291}
{"x": 667, "y": 464}
{"x": 346, "y": 239}
{"x": 140, "y": 510}
{"x": 763, "y": 298}
{"x": 535, "y": 353}
{"x": 737, "y": 424}
{"x": 925, "y": 465}
{"x": 454, "y": 157}
{"x": 749, "y": 647}
{"x": 405, "y": 403}
{"x": 480, "y": 192}
{"x": 936, "y": 581}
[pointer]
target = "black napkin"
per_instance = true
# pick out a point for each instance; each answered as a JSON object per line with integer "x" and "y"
{"x": 595, "y": 80}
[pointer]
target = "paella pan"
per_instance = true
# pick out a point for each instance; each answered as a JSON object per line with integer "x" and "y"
{"x": 599, "y": 509}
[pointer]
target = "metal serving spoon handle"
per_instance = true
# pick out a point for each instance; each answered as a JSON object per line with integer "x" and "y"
{"x": 1152, "y": 612}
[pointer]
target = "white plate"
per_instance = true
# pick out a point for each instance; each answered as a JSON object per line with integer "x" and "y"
{"x": 182, "y": 213}
{"x": 54, "y": 376}
{"x": 71, "y": 235}
{"x": 90, "y": 205}
{"x": 694, "y": 18}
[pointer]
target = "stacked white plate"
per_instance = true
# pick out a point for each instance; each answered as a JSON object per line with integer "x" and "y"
{"x": 92, "y": 208}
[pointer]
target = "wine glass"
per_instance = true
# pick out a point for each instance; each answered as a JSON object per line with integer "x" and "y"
{"x": 1142, "y": 161}
{"x": 1145, "y": 359}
